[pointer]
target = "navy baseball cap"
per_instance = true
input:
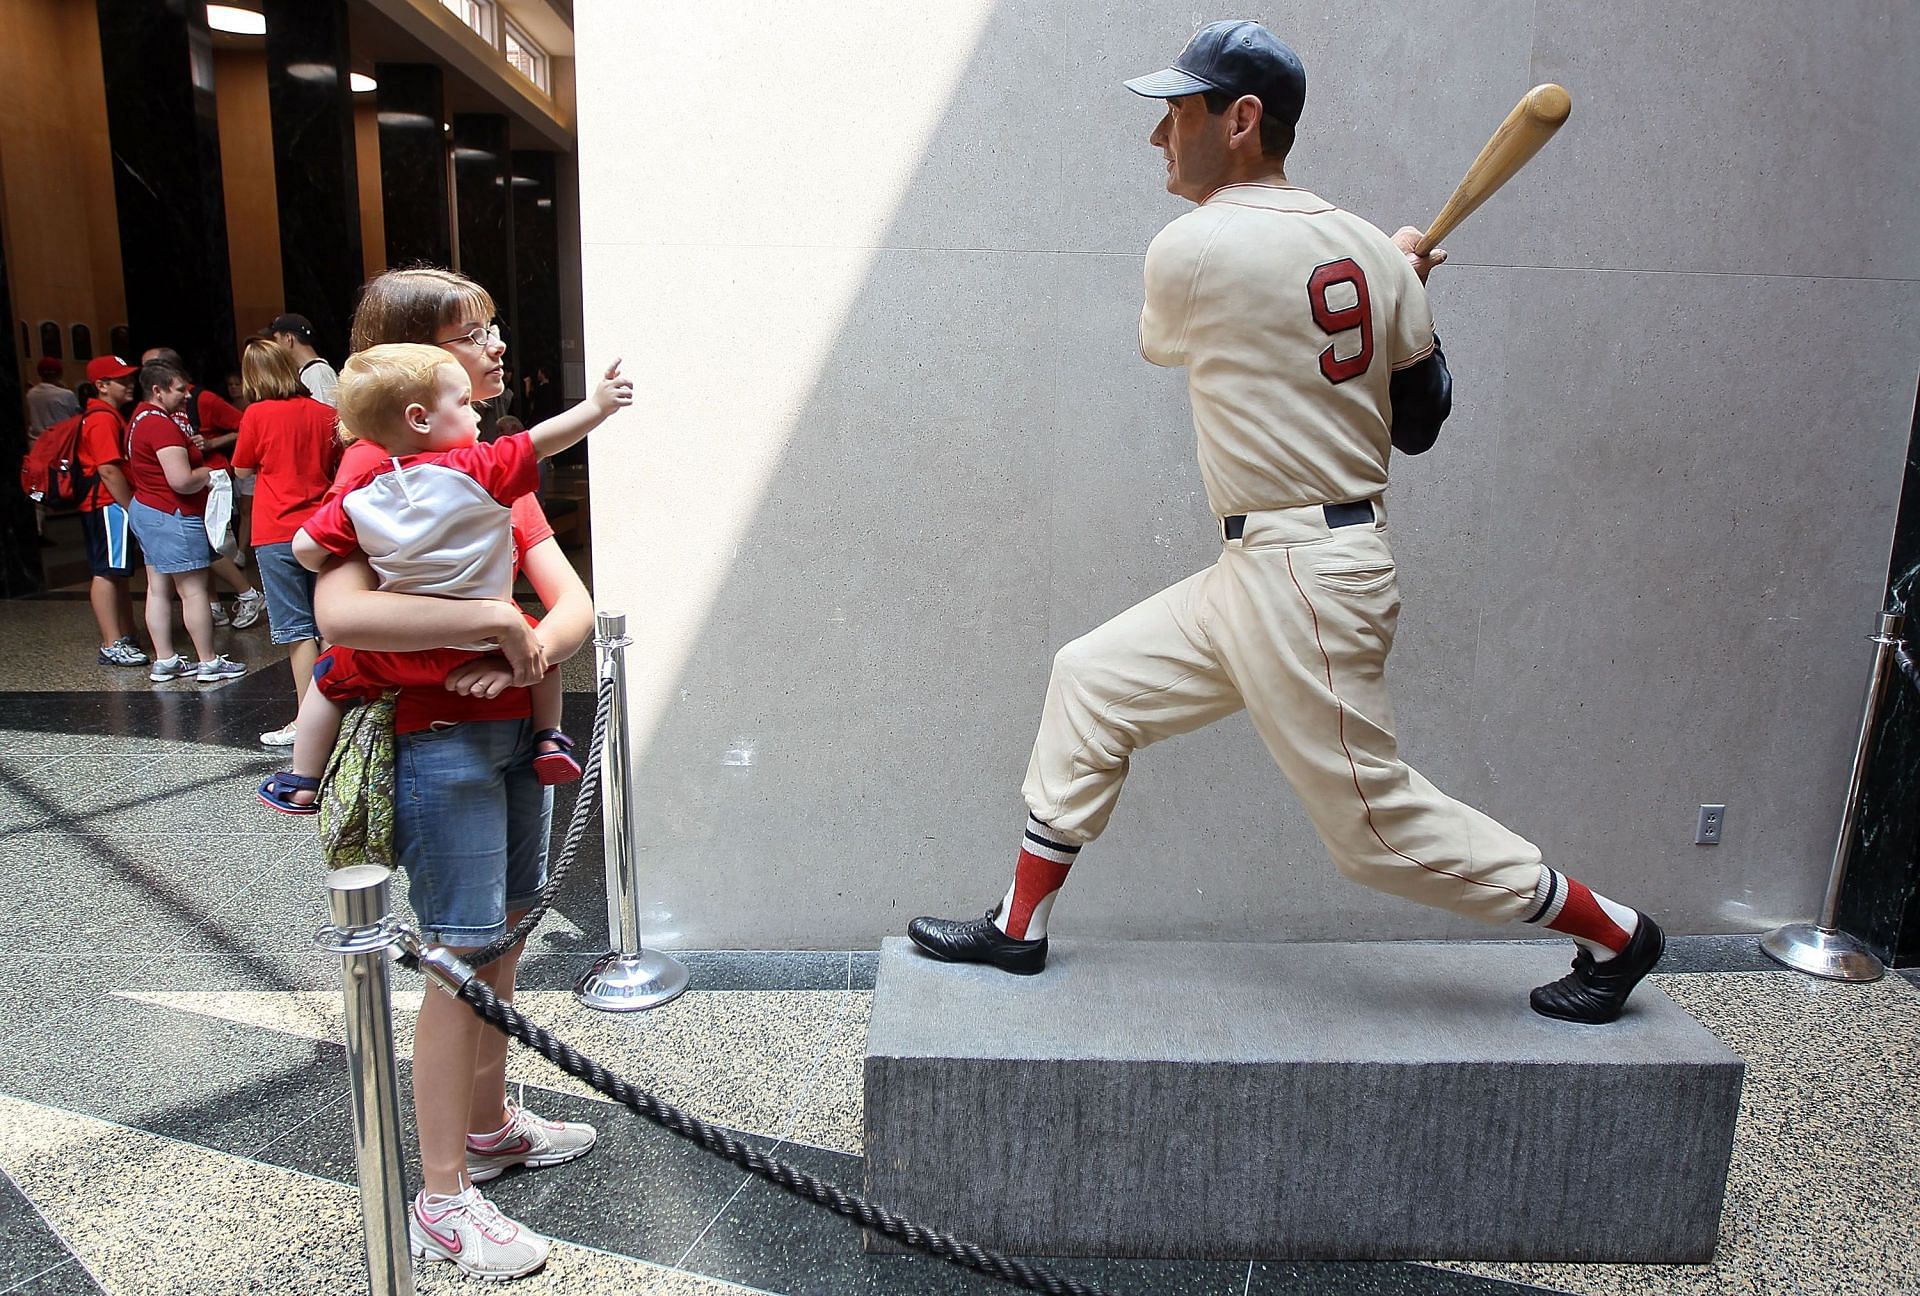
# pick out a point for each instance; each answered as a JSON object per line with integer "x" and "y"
{"x": 298, "y": 325}
{"x": 1237, "y": 57}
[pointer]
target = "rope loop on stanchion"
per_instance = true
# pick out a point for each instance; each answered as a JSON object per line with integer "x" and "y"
{"x": 459, "y": 981}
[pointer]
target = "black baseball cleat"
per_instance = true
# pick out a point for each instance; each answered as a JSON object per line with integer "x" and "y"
{"x": 1594, "y": 992}
{"x": 978, "y": 941}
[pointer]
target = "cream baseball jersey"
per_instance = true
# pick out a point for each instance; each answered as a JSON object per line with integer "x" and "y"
{"x": 1290, "y": 316}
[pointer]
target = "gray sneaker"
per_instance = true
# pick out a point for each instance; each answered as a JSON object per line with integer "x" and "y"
{"x": 218, "y": 668}
{"x": 247, "y": 608}
{"x": 121, "y": 654}
{"x": 132, "y": 645}
{"x": 219, "y": 613}
{"x": 171, "y": 668}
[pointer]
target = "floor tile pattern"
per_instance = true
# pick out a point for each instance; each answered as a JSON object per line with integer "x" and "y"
{"x": 136, "y": 1210}
{"x": 175, "y": 1116}
{"x": 1820, "y": 1194}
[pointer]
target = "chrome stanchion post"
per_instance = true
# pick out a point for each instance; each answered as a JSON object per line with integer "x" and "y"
{"x": 364, "y": 937}
{"x": 631, "y": 976}
{"x": 1820, "y": 948}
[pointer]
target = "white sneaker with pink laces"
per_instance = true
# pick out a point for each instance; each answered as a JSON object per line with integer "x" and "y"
{"x": 528, "y": 1139}
{"x": 470, "y": 1232}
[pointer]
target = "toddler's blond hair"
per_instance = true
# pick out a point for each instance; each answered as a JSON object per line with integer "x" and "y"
{"x": 378, "y": 384}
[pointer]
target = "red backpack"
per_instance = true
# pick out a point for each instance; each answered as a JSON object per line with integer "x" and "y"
{"x": 51, "y": 473}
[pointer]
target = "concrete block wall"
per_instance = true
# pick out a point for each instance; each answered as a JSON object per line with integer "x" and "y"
{"x": 878, "y": 274}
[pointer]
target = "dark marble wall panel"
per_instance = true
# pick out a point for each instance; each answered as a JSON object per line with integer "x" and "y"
{"x": 1881, "y": 902}
{"x": 315, "y": 168}
{"x": 19, "y": 545}
{"x": 482, "y": 213}
{"x": 157, "y": 59}
{"x": 536, "y": 265}
{"x": 413, "y": 164}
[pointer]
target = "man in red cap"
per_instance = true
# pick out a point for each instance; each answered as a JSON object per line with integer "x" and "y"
{"x": 103, "y": 513}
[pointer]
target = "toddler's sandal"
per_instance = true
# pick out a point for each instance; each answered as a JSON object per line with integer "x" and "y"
{"x": 277, "y": 792}
{"x": 555, "y": 766}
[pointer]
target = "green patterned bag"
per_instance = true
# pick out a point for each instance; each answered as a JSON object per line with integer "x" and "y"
{"x": 356, "y": 792}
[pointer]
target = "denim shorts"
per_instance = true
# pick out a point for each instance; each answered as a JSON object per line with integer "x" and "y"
{"x": 172, "y": 542}
{"x": 470, "y": 827}
{"x": 289, "y": 588}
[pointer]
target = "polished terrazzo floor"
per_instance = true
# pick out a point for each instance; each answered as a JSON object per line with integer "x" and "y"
{"x": 173, "y": 1097}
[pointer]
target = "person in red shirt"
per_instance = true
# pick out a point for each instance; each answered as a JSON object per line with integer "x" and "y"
{"x": 103, "y": 513}
{"x": 169, "y": 504}
{"x": 214, "y": 425}
{"x": 289, "y": 448}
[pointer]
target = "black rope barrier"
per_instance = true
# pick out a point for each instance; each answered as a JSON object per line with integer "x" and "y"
{"x": 790, "y": 1178}
{"x": 784, "y": 1175}
{"x": 576, "y": 829}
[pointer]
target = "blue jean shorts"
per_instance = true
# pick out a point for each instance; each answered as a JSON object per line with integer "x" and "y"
{"x": 470, "y": 827}
{"x": 173, "y": 542}
{"x": 289, "y": 588}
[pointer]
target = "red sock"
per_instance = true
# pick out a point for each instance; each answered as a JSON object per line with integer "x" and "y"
{"x": 1040, "y": 871}
{"x": 1604, "y": 926}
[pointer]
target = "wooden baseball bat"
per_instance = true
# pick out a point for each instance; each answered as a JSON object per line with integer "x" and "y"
{"x": 1531, "y": 124}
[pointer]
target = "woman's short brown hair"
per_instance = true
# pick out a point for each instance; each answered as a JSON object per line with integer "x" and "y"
{"x": 268, "y": 371}
{"x": 416, "y": 304}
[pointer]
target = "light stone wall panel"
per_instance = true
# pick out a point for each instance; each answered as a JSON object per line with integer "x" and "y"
{"x": 1769, "y": 136}
{"x": 1687, "y": 550}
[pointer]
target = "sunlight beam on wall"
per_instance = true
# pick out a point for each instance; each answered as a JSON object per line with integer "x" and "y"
{"x": 740, "y": 165}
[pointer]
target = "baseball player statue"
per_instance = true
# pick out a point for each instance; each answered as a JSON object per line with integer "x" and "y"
{"x": 1309, "y": 349}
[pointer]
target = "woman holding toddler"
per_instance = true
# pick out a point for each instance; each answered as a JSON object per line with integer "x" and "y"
{"x": 471, "y": 812}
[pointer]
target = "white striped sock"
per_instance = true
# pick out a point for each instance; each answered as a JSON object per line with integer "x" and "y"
{"x": 1549, "y": 897}
{"x": 1041, "y": 840}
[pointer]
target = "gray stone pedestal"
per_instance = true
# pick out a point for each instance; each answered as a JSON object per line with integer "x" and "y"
{"x": 1366, "y": 1101}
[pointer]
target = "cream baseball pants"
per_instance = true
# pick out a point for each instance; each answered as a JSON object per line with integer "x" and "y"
{"x": 1294, "y": 624}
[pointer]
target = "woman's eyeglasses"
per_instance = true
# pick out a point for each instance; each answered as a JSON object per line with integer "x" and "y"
{"x": 481, "y": 337}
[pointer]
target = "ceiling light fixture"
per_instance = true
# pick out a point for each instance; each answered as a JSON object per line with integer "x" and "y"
{"x": 362, "y": 83}
{"x": 236, "y": 21}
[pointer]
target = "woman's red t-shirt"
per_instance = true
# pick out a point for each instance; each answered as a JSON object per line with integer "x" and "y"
{"x": 294, "y": 447}
{"x": 149, "y": 431}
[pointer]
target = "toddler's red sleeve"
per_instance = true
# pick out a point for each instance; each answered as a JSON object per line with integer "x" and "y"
{"x": 331, "y": 528}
